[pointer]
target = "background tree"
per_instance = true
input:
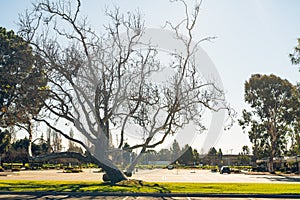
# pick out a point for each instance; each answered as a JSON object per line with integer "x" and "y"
{"x": 175, "y": 149}
{"x": 101, "y": 81}
{"x": 295, "y": 135}
{"x": 72, "y": 146}
{"x": 243, "y": 157}
{"x": 212, "y": 156}
{"x": 44, "y": 146}
{"x": 196, "y": 156}
{"x": 295, "y": 147}
{"x": 245, "y": 150}
{"x": 22, "y": 83}
{"x": 295, "y": 56}
{"x": 56, "y": 142}
{"x": 48, "y": 140}
{"x": 151, "y": 155}
{"x": 126, "y": 155}
{"x": 220, "y": 156}
{"x": 272, "y": 112}
{"x": 5, "y": 142}
{"x": 164, "y": 155}
{"x": 187, "y": 157}
{"x": 18, "y": 150}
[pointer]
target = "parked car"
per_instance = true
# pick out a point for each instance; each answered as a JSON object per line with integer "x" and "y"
{"x": 225, "y": 169}
{"x": 170, "y": 167}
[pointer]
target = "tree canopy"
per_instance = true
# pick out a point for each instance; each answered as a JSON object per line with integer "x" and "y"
{"x": 295, "y": 56}
{"x": 274, "y": 104}
{"x": 5, "y": 138}
{"x": 103, "y": 81}
{"x": 22, "y": 82}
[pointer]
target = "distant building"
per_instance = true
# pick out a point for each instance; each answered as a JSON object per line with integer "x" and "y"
{"x": 285, "y": 164}
{"x": 159, "y": 162}
{"x": 227, "y": 159}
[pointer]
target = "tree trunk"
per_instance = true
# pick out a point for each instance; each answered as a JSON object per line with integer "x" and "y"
{"x": 100, "y": 157}
{"x": 273, "y": 133}
{"x": 30, "y": 139}
{"x": 254, "y": 158}
{"x": 271, "y": 164}
{"x": 272, "y": 155}
{"x": 131, "y": 167}
{"x": 30, "y": 147}
{"x": 115, "y": 175}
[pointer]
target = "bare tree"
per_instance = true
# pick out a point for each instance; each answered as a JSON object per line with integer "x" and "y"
{"x": 101, "y": 82}
{"x": 185, "y": 96}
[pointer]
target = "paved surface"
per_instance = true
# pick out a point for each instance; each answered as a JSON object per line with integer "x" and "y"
{"x": 206, "y": 176}
{"x": 157, "y": 175}
{"x": 87, "y": 175}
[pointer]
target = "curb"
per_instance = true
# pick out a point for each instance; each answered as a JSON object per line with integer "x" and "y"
{"x": 94, "y": 194}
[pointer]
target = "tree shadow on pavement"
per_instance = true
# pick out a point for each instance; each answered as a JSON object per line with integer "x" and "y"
{"x": 281, "y": 178}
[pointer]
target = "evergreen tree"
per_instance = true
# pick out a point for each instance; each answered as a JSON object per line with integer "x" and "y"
{"x": 274, "y": 107}
{"x": 175, "y": 150}
{"x": 56, "y": 142}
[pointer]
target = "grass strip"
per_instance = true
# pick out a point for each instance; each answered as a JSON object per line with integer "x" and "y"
{"x": 148, "y": 187}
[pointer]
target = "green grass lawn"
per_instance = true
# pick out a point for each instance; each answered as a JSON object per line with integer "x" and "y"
{"x": 146, "y": 187}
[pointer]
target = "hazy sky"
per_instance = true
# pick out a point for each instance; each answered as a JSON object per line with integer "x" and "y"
{"x": 253, "y": 36}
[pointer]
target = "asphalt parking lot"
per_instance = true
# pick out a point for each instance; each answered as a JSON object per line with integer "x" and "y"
{"x": 205, "y": 176}
{"x": 155, "y": 175}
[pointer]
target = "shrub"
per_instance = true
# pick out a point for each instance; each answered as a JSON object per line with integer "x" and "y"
{"x": 71, "y": 170}
{"x": 15, "y": 169}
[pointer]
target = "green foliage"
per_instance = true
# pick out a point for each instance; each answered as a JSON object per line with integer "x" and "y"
{"x": 295, "y": 147}
{"x": 5, "y": 138}
{"x": 212, "y": 151}
{"x": 295, "y": 136}
{"x": 295, "y": 56}
{"x": 187, "y": 157}
{"x": 175, "y": 149}
{"x": 22, "y": 80}
{"x": 274, "y": 105}
{"x": 72, "y": 170}
{"x": 212, "y": 156}
{"x": 164, "y": 154}
{"x": 246, "y": 150}
{"x": 18, "y": 151}
{"x": 243, "y": 159}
